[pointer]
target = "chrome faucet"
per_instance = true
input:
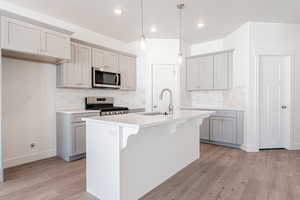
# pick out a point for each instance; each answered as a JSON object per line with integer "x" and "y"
{"x": 171, "y": 107}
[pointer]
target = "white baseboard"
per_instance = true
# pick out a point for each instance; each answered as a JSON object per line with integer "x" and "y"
{"x": 246, "y": 148}
{"x": 294, "y": 147}
{"x": 18, "y": 160}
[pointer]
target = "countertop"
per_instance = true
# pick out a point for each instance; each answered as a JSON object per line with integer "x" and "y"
{"x": 138, "y": 120}
{"x": 83, "y": 111}
{"x": 208, "y": 107}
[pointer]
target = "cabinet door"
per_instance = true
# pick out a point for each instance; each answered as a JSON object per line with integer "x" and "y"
{"x": 111, "y": 61}
{"x": 192, "y": 74}
{"x": 223, "y": 129}
{"x": 204, "y": 130}
{"x": 84, "y": 65}
{"x": 98, "y": 58}
{"x": 200, "y": 73}
{"x": 77, "y": 72}
{"x": 20, "y": 36}
{"x": 78, "y": 139}
{"x": 221, "y": 71}
{"x": 128, "y": 72}
{"x": 229, "y": 130}
{"x": 55, "y": 44}
{"x": 106, "y": 60}
{"x": 216, "y": 128}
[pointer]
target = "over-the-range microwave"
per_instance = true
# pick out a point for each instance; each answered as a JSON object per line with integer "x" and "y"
{"x": 105, "y": 79}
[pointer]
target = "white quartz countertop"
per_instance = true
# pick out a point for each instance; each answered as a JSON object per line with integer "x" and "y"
{"x": 138, "y": 120}
{"x": 79, "y": 111}
{"x": 208, "y": 107}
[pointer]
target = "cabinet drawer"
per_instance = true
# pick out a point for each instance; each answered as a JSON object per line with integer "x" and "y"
{"x": 225, "y": 114}
{"x": 78, "y": 117}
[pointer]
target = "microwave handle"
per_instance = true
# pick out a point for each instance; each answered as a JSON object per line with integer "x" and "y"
{"x": 118, "y": 79}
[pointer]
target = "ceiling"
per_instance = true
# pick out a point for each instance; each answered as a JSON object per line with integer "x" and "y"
{"x": 220, "y": 16}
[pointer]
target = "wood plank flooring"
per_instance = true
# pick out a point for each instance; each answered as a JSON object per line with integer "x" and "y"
{"x": 221, "y": 174}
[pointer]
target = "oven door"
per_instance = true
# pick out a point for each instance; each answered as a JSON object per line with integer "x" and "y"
{"x": 103, "y": 79}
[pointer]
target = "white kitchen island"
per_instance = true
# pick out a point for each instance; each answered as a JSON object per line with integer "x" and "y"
{"x": 129, "y": 155}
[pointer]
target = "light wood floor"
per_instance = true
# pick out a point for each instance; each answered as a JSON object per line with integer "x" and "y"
{"x": 220, "y": 174}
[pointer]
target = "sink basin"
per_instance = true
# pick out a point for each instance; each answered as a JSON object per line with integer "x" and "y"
{"x": 154, "y": 113}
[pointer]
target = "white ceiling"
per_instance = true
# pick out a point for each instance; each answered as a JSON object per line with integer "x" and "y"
{"x": 220, "y": 16}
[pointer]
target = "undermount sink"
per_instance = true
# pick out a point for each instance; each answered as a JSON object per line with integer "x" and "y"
{"x": 154, "y": 113}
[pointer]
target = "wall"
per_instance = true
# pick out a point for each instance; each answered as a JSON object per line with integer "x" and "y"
{"x": 239, "y": 41}
{"x": 274, "y": 37}
{"x": 1, "y": 135}
{"x": 30, "y": 100}
{"x": 158, "y": 51}
{"x": 28, "y": 111}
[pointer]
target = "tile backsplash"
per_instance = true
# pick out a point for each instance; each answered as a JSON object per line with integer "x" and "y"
{"x": 74, "y": 98}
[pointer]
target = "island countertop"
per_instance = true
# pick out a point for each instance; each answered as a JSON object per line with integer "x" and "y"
{"x": 140, "y": 120}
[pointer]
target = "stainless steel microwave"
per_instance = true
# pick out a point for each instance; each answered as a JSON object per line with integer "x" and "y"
{"x": 104, "y": 79}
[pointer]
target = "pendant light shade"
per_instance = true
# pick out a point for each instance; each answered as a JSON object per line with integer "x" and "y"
{"x": 142, "y": 35}
{"x": 180, "y": 54}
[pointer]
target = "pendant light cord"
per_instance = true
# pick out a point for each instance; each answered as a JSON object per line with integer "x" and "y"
{"x": 180, "y": 30}
{"x": 142, "y": 17}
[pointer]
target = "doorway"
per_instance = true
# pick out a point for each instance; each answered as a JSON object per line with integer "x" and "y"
{"x": 163, "y": 76}
{"x": 274, "y": 101}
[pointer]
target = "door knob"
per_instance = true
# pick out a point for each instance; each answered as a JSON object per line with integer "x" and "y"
{"x": 155, "y": 106}
{"x": 283, "y": 107}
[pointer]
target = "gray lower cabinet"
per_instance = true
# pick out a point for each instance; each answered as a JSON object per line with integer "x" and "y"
{"x": 78, "y": 143}
{"x": 223, "y": 127}
{"x": 71, "y": 134}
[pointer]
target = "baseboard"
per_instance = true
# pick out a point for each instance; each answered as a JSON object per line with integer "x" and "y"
{"x": 19, "y": 160}
{"x": 294, "y": 147}
{"x": 249, "y": 148}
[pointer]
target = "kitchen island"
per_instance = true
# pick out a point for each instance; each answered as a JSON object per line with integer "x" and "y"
{"x": 129, "y": 155}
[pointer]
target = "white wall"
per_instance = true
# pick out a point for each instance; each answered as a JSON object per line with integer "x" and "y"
{"x": 207, "y": 47}
{"x": 158, "y": 51}
{"x": 28, "y": 111}
{"x": 30, "y": 100}
{"x": 1, "y": 135}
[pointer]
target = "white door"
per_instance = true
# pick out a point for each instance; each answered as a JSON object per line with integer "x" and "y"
{"x": 273, "y": 101}
{"x": 164, "y": 76}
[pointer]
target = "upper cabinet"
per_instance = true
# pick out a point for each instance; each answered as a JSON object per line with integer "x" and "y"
{"x": 25, "y": 38}
{"x": 106, "y": 60}
{"x": 76, "y": 73}
{"x": 128, "y": 72}
{"x": 209, "y": 72}
{"x": 200, "y": 73}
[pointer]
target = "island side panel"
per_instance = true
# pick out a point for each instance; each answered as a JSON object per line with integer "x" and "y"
{"x": 103, "y": 161}
{"x": 155, "y": 154}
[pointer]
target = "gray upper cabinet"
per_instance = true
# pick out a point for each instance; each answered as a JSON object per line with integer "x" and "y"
{"x": 200, "y": 73}
{"x": 209, "y": 72}
{"x": 25, "y": 38}
{"x": 128, "y": 72}
{"x": 221, "y": 70}
{"x": 76, "y": 73}
{"x": 106, "y": 60}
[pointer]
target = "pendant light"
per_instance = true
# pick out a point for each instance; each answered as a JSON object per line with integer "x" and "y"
{"x": 180, "y": 6}
{"x": 142, "y": 36}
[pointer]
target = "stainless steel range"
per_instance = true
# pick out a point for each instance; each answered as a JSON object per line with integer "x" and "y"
{"x": 105, "y": 105}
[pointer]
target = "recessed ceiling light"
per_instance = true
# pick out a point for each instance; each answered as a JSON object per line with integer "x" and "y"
{"x": 118, "y": 11}
{"x": 200, "y": 25}
{"x": 153, "y": 29}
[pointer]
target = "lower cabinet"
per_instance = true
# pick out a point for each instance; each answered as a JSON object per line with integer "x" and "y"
{"x": 71, "y": 135}
{"x": 223, "y": 127}
{"x": 78, "y": 137}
